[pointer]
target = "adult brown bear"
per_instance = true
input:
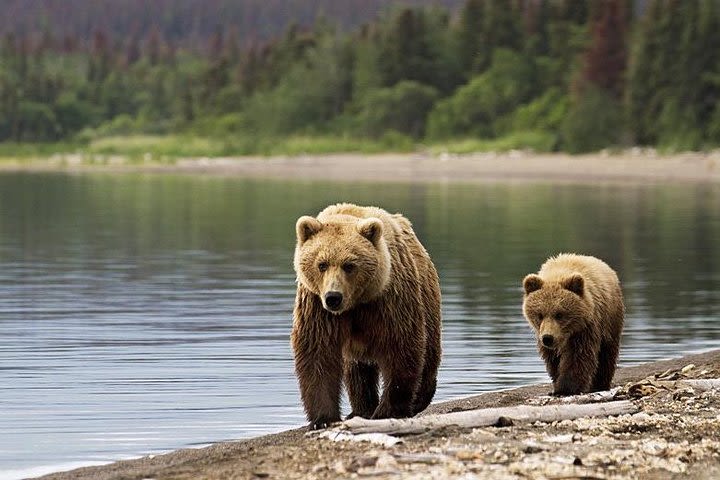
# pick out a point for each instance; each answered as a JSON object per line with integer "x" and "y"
{"x": 367, "y": 304}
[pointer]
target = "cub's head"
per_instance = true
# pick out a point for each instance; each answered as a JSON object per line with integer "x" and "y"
{"x": 344, "y": 261}
{"x": 555, "y": 310}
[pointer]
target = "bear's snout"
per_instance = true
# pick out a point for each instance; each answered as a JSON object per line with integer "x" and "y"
{"x": 548, "y": 341}
{"x": 333, "y": 301}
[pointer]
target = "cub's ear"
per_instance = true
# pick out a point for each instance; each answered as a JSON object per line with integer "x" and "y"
{"x": 575, "y": 283}
{"x": 306, "y": 227}
{"x": 531, "y": 283}
{"x": 371, "y": 228}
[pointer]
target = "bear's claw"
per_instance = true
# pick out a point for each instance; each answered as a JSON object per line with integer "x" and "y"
{"x": 321, "y": 423}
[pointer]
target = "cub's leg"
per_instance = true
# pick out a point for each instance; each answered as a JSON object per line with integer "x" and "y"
{"x": 607, "y": 361}
{"x": 577, "y": 366}
{"x": 552, "y": 362}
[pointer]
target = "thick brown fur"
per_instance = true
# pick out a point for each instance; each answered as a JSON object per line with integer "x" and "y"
{"x": 387, "y": 324}
{"x": 575, "y": 304}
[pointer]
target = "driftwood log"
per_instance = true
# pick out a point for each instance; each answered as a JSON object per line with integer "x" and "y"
{"x": 594, "y": 397}
{"x": 487, "y": 417}
{"x": 700, "y": 384}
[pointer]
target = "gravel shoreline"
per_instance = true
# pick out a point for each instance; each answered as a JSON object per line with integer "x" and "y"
{"x": 676, "y": 433}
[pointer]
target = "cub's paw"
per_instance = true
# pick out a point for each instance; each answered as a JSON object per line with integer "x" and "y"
{"x": 566, "y": 387}
{"x": 564, "y": 393}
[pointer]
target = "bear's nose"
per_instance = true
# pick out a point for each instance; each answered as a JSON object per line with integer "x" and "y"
{"x": 333, "y": 300}
{"x": 548, "y": 340}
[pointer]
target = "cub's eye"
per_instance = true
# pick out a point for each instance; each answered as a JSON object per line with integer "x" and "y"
{"x": 322, "y": 266}
{"x": 348, "y": 267}
{"x": 559, "y": 316}
{"x": 540, "y": 317}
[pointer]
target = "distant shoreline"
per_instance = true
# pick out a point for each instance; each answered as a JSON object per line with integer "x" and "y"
{"x": 633, "y": 167}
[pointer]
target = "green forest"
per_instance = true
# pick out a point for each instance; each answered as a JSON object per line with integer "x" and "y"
{"x": 547, "y": 75}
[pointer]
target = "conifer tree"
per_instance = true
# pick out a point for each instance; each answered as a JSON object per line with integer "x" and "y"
{"x": 405, "y": 52}
{"x": 606, "y": 58}
{"x": 502, "y": 28}
{"x": 470, "y": 35}
{"x": 536, "y": 18}
{"x": 643, "y": 83}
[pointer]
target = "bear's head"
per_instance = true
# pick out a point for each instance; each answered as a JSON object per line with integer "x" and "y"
{"x": 556, "y": 310}
{"x": 345, "y": 261}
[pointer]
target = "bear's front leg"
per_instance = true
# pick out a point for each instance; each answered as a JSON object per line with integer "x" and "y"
{"x": 320, "y": 378}
{"x": 318, "y": 365}
{"x": 577, "y": 367}
{"x": 401, "y": 380}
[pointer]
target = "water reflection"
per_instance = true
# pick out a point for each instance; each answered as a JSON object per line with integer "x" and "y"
{"x": 141, "y": 314}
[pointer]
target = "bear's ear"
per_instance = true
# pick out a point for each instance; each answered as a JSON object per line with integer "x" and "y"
{"x": 371, "y": 228}
{"x": 575, "y": 283}
{"x": 531, "y": 283}
{"x": 306, "y": 227}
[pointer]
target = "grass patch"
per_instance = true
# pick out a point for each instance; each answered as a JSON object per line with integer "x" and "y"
{"x": 176, "y": 146}
{"x": 141, "y": 146}
{"x": 536, "y": 141}
{"x": 17, "y": 152}
{"x": 146, "y": 149}
{"x": 318, "y": 145}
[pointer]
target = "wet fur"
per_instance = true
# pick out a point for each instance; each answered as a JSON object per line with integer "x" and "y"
{"x": 391, "y": 329}
{"x": 587, "y": 292}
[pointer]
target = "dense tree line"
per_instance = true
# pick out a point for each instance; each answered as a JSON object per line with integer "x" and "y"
{"x": 577, "y": 74}
{"x": 187, "y": 22}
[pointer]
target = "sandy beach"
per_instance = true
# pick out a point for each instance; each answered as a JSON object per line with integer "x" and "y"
{"x": 632, "y": 166}
{"x": 674, "y": 433}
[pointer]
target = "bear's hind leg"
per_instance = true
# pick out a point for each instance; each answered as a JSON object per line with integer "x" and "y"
{"x": 607, "y": 361}
{"x": 361, "y": 380}
{"x": 426, "y": 392}
{"x": 428, "y": 382}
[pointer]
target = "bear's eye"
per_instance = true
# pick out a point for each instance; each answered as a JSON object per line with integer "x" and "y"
{"x": 322, "y": 266}
{"x": 348, "y": 267}
{"x": 540, "y": 317}
{"x": 559, "y": 316}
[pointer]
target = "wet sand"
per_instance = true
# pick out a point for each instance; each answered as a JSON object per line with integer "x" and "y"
{"x": 634, "y": 166}
{"x": 291, "y": 454}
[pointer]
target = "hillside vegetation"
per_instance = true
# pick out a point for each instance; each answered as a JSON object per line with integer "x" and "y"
{"x": 572, "y": 75}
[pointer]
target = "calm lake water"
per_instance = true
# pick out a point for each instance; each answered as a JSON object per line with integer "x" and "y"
{"x": 140, "y": 314}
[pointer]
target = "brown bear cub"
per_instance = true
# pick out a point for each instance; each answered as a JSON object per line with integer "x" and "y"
{"x": 367, "y": 305}
{"x": 575, "y": 306}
